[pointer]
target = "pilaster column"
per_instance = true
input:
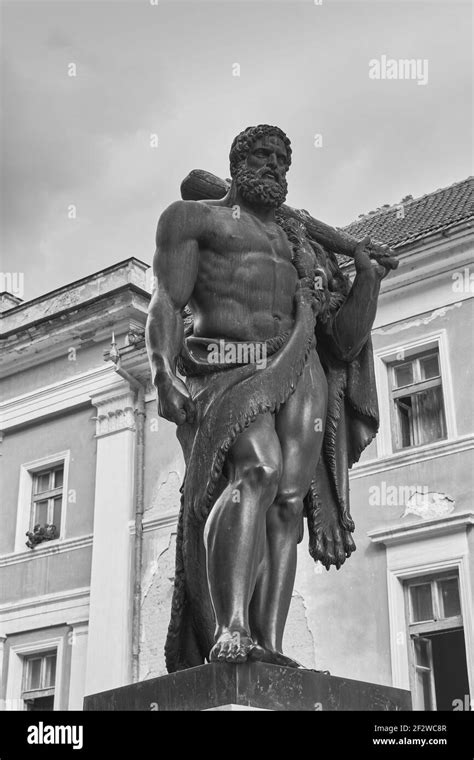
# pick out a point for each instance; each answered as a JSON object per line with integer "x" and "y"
{"x": 109, "y": 636}
{"x": 77, "y": 640}
{"x": 3, "y": 685}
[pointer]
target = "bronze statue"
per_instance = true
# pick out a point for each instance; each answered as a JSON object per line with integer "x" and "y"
{"x": 278, "y": 400}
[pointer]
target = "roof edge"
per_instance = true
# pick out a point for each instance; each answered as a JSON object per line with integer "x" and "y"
{"x": 75, "y": 283}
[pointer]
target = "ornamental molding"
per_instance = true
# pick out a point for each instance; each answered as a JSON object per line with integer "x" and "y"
{"x": 58, "y": 546}
{"x": 57, "y": 397}
{"x": 69, "y": 393}
{"x": 115, "y": 410}
{"x": 411, "y": 457}
{"x": 161, "y": 522}
{"x": 456, "y": 522}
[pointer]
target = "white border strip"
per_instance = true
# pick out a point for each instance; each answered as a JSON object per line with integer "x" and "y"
{"x": 66, "y": 394}
{"x": 46, "y": 549}
{"x": 412, "y": 456}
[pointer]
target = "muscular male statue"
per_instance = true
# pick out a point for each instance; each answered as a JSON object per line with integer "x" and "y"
{"x": 263, "y": 446}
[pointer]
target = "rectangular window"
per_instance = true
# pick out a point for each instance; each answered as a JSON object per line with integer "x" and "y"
{"x": 424, "y": 676}
{"x": 47, "y": 498}
{"x": 437, "y": 647}
{"x": 39, "y": 680}
{"x": 417, "y": 404}
{"x": 42, "y": 503}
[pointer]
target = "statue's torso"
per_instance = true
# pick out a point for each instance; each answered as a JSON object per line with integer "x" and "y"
{"x": 246, "y": 282}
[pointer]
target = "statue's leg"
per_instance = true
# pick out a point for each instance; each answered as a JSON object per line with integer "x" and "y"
{"x": 234, "y": 535}
{"x": 300, "y": 427}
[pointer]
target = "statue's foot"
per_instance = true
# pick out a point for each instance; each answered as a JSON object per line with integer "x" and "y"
{"x": 232, "y": 646}
{"x": 265, "y": 654}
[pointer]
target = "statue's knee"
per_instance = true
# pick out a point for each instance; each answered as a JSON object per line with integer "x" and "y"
{"x": 288, "y": 508}
{"x": 262, "y": 475}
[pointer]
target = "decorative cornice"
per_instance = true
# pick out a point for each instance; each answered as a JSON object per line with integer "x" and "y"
{"x": 115, "y": 410}
{"x": 167, "y": 520}
{"x": 51, "y": 399}
{"x": 96, "y": 385}
{"x": 73, "y": 595}
{"x": 434, "y": 258}
{"x": 129, "y": 274}
{"x": 410, "y": 531}
{"x": 58, "y": 546}
{"x": 62, "y": 608}
{"x": 412, "y": 456}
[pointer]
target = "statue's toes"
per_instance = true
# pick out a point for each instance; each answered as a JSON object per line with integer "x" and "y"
{"x": 235, "y": 653}
{"x": 224, "y": 652}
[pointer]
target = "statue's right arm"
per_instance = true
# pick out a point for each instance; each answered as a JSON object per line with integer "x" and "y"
{"x": 175, "y": 267}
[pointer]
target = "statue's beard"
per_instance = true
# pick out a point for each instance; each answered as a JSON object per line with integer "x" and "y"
{"x": 260, "y": 191}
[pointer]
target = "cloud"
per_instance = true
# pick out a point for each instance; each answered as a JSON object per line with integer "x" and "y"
{"x": 167, "y": 69}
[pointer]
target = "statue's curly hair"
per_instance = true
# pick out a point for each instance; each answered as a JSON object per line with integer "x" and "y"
{"x": 244, "y": 141}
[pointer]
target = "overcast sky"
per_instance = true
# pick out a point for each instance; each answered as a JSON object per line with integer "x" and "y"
{"x": 167, "y": 69}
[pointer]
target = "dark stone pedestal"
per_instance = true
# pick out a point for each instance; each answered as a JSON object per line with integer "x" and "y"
{"x": 251, "y": 686}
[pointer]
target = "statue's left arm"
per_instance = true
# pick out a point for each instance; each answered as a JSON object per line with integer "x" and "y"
{"x": 350, "y": 327}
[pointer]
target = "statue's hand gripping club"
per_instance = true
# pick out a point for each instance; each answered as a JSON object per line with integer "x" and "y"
{"x": 364, "y": 261}
{"x": 174, "y": 401}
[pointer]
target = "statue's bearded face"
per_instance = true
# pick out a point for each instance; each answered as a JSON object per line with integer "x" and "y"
{"x": 261, "y": 177}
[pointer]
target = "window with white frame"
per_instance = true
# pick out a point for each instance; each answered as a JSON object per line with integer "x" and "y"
{"x": 39, "y": 680}
{"x": 46, "y": 499}
{"x": 415, "y": 393}
{"x": 42, "y": 501}
{"x": 438, "y": 665}
{"x": 417, "y": 403}
{"x": 35, "y": 673}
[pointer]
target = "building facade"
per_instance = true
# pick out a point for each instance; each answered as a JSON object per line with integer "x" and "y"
{"x": 84, "y": 605}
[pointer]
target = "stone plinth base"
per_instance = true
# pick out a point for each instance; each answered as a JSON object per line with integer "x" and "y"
{"x": 255, "y": 685}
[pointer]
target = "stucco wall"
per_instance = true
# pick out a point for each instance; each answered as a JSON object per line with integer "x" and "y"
{"x": 164, "y": 465}
{"x": 164, "y": 470}
{"x": 73, "y": 360}
{"x": 50, "y": 574}
{"x": 74, "y": 431}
